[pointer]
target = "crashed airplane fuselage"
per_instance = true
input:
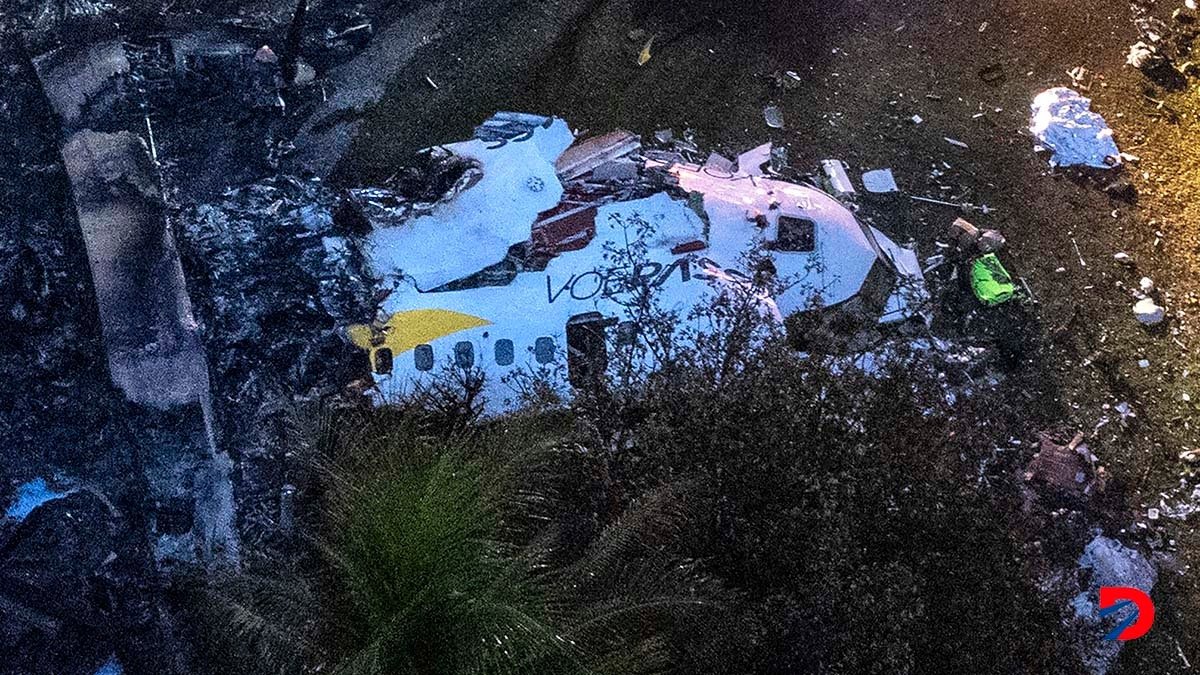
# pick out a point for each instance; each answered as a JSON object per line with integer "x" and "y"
{"x": 700, "y": 232}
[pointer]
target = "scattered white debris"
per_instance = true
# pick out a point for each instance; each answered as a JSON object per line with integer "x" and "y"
{"x": 917, "y": 119}
{"x": 1144, "y": 363}
{"x": 1123, "y": 258}
{"x": 1146, "y": 284}
{"x": 1063, "y": 122}
{"x": 1149, "y": 312}
{"x": 879, "y": 181}
{"x": 956, "y": 143}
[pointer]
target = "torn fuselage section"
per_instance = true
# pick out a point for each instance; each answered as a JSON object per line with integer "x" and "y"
{"x": 555, "y": 228}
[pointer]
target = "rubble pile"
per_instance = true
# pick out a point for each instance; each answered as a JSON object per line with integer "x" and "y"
{"x": 275, "y": 283}
{"x": 1165, "y": 50}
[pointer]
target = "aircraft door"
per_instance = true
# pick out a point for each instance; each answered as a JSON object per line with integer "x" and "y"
{"x": 587, "y": 349}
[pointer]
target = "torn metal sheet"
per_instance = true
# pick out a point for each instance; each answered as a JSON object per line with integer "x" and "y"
{"x": 1063, "y": 122}
{"x": 836, "y": 179}
{"x": 76, "y": 79}
{"x": 879, "y": 181}
{"x": 691, "y": 243}
{"x": 154, "y": 352}
{"x": 590, "y": 153}
{"x": 477, "y": 227}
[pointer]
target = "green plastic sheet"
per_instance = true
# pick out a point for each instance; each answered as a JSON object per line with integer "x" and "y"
{"x": 990, "y": 281}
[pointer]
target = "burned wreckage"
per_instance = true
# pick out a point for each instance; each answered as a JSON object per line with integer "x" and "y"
{"x": 584, "y": 221}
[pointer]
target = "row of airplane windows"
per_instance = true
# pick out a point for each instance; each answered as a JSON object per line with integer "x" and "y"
{"x": 503, "y": 351}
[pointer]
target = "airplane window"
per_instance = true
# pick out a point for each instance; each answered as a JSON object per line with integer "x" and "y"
{"x": 543, "y": 350}
{"x": 383, "y": 360}
{"x": 796, "y": 234}
{"x": 423, "y": 356}
{"x": 464, "y": 354}
{"x": 504, "y": 352}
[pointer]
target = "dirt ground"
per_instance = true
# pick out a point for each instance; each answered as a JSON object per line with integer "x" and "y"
{"x": 866, "y": 68}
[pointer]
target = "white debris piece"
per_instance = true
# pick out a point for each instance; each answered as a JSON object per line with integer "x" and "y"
{"x": 720, "y": 163}
{"x": 476, "y": 228}
{"x": 751, "y": 162}
{"x": 879, "y": 180}
{"x": 1141, "y": 56}
{"x": 774, "y": 116}
{"x": 836, "y": 178}
{"x": 1062, "y": 121}
{"x": 1146, "y": 284}
{"x": 1149, "y": 312}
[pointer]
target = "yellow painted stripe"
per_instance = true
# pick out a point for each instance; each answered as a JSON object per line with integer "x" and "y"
{"x": 405, "y": 330}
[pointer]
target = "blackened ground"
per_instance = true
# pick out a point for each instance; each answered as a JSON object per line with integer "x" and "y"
{"x": 78, "y": 582}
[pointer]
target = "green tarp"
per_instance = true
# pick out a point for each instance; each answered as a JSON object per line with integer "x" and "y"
{"x": 990, "y": 281}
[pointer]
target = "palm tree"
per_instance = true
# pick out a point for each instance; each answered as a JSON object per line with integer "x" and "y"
{"x": 451, "y": 557}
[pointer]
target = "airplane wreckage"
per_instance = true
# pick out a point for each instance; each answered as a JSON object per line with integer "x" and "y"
{"x": 582, "y": 223}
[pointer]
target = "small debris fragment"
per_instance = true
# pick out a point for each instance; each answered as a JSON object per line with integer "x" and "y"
{"x": 1142, "y": 56}
{"x": 265, "y": 55}
{"x": 991, "y": 283}
{"x": 1146, "y": 284}
{"x": 993, "y": 74}
{"x": 644, "y": 55}
{"x": 836, "y": 178}
{"x": 774, "y": 116}
{"x": 720, "y": 163}
{"x": 879, "y": 181}
{"x": 990, "y": 241}
{"x": 1149, "y": 312}
{"x": 957, "y": 143}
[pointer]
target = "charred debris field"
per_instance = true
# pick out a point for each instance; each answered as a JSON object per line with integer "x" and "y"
{"x": 599, "y": 336}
